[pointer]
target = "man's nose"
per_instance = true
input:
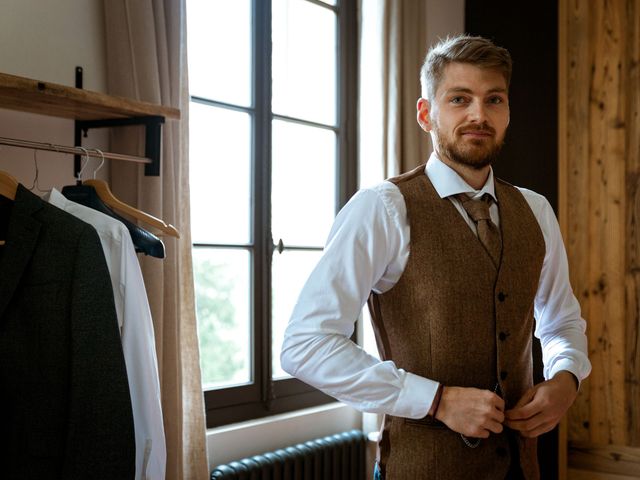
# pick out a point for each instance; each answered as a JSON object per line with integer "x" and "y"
{"x": 477, "y": 112}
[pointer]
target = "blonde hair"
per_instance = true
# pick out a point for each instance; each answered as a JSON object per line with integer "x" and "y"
{"x": 476, "y": 51}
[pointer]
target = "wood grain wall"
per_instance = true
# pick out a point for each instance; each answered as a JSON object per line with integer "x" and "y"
{"x": 599, "y": 211}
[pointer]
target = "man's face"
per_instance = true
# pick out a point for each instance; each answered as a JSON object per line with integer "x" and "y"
{"x": 469, "y": 115}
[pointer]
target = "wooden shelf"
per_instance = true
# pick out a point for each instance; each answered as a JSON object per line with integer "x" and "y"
{"x": 27, "y": 95}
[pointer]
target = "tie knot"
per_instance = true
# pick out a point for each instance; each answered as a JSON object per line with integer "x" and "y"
{"x": 477, "y": 209}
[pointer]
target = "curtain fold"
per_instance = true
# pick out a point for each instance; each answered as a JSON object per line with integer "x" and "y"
{"x": 404, "y": 40}
{"x": 393, "y": 43}
{"x": 147, "y": 61}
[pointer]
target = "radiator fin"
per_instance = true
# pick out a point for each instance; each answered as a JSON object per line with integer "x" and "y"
{"x": 336, "y": 457}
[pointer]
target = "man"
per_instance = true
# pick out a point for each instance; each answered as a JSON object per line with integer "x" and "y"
{"x": 455, "y": 264}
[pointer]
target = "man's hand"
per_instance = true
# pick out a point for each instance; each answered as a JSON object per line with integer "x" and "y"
{"x": 541, "y": 407}
{"x": 471, "y": 411}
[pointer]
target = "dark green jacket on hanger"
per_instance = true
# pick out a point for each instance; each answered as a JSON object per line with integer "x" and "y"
{"x": 65, "y": 407}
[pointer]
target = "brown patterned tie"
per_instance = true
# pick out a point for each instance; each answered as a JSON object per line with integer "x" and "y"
{"x": 488, "y": 233}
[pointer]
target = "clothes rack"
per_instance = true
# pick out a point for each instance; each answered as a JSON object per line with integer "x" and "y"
{"x": 82, "y": 151}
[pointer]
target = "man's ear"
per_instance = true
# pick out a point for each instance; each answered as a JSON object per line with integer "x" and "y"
{"x": 422, "y": 115}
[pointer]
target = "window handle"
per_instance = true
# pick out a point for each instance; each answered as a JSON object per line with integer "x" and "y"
{"x": 279, "y": 246}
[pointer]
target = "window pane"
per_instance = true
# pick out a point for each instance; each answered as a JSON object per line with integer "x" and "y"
{"x": 304, "y": 61}
{"x": 222, "y": 308}
{"x": 290, "y": 271}
{"x": 220, "y": 174}
{"x": 219, "y": 36}
{"x": 303, "y": 184}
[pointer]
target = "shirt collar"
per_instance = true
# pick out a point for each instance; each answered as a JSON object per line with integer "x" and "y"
{"x": 54, "y": 197}
{"x": 447, "y": 182}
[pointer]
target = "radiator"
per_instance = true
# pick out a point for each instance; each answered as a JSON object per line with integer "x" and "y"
{"x": 336, "y": 457}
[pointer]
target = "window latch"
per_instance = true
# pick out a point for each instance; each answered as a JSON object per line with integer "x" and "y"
{"x": 279, "y": 246}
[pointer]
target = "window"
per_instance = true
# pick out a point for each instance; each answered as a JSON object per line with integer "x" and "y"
{"x": 272, "y": 159}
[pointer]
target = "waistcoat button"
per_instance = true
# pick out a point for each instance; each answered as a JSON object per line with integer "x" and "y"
{"x": 502, "y": 296}
{"x": 502, "y": 336}
{"x": 503, "y": 375}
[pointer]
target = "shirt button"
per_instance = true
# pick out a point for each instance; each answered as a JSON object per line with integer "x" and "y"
{"x": 502, "y": 336}
{"x": 503, "y": 375}
{"x": 502, "y": 296}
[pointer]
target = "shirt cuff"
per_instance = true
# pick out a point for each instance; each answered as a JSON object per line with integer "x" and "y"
{"x": 568, "y": 365}
{"x": 416, "y": 397}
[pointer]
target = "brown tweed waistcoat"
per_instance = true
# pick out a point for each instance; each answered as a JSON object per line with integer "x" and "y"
{"x": 453, "y": 318}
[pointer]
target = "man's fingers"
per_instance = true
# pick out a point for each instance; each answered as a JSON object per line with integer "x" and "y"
{"x": 519, "y": 425}
{"x": 533, "y": 427}
{"x": 482, "y": 434}
{"x": 498, "y": 416}
{"x": 527, "y": 425}
{"x": 539, "y": 430}
{"x": 526, "y": 398}
{"x": 523, "y": 412}
{"x": 498, "y": 402}
{"x": 495, "y": 427}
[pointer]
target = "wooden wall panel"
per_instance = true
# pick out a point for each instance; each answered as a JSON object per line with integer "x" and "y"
{"x": 606, "y": 234}
{"x": 573, "y": 174}
{"x": 599, "y": 207}
{"x": 632, "y": 347}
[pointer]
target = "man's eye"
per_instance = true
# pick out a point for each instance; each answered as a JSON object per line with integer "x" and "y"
{"x": 457, "y": 100}
{"x": 495, "y": 100}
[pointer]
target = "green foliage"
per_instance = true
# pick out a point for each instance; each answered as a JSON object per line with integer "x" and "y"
{"x": 221, "y": 358}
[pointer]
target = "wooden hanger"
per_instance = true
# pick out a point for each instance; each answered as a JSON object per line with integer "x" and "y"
{"x": 8, "y": 188}
{"x": 105, "y": 194}
{"x": 8, "y": 185}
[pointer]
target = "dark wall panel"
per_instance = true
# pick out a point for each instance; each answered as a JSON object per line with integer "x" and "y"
{"x": 529, "y": 30}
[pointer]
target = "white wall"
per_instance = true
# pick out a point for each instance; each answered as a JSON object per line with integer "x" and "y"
{"x": 444, "y": 17}
{"x": 246, "y": 439}
{"x": 46, "y": 40}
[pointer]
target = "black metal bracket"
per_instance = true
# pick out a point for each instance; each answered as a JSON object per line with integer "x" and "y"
{"x": 153, "y": 137}
{"x": 153, "y": 134}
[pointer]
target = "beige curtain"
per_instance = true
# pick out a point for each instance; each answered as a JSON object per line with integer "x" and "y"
{"x": 393, "y": 43}
{"x": 146, "y": 60}
{"x": 405, "y": 41}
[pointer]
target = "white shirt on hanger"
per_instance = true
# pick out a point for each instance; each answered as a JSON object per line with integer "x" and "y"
{"x": 136, "y": 329}
{"x": 367, "y": 250}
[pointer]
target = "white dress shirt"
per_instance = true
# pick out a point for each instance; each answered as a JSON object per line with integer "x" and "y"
{"x": 136, "y": 329}
{"x": 367, "y": 250}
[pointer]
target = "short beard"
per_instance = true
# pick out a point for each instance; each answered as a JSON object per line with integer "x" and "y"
{"x": 453, "y": 151}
